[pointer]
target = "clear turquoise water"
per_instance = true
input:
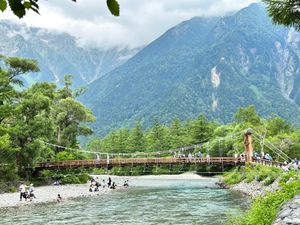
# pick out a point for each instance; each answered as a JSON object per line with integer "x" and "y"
{"x": 146, "y": 201}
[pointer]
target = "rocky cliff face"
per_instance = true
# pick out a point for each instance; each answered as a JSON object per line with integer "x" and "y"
{"x": 58, "y": 54}
{"x": 210, "y": 65}
{"x": 287, "y": 74}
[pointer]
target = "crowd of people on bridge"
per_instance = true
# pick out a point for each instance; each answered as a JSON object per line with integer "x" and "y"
{"x": 292, "y": 164}
{"x": 287, "y": 165}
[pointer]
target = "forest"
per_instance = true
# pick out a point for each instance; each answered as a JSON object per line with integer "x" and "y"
{"x": 46, "y": 113}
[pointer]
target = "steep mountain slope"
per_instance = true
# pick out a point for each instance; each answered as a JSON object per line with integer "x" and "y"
{"x": 58, "y": 54}
{"x": 205, "y": 65}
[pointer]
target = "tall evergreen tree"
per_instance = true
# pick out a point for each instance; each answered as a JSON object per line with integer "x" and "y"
{"x": 176, "y": 134}
{"x": 202, "y": 130}
{"x": 157, "y": 137}
{"x": 137, "y": 140}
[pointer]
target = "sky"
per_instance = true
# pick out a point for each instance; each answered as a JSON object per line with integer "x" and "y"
{"x": 140, "y": 21}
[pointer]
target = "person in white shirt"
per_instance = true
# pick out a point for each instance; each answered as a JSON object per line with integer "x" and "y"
{"x": 22, "y": 190}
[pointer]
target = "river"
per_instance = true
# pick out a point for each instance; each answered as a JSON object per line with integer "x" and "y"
{"x": 148, "y": 200}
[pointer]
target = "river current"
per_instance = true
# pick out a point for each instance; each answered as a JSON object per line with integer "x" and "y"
{"x": 147, "y": 201}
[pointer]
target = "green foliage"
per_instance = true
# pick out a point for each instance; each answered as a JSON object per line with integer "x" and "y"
{"x": 64, "y": 155}
{"x": 42, "y": 112}
{"x": 19, "y": 7}
{"x": 284, "y": 12}
{"x": 157, "y": 137}
{"x": 288, "y": 175}
{"x": 160, "y": 170}
{"x": 113, "y": 7}
{"x": 202, "y": 129}
{"x": 261, "y": 173}
{"x": 71, "y": 179}
{"x": 11, "y": 189}
{"x": 84, "y": 178}
{"x": 3, "y": 5}
{"x": 233, "y": 177}
{"x": 247, "y": 116}
{"x": 66, "y": 176}
{"x": 137, "y": 140}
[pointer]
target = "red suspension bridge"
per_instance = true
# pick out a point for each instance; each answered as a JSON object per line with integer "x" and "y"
{"x": 247, "y": 156}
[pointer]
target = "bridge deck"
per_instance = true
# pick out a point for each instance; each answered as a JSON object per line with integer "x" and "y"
{"x": 138, "y": 162}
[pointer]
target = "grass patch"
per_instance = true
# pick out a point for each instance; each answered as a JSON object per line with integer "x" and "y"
{"x": 250, "y": 172}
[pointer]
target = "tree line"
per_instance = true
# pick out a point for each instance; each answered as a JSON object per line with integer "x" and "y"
{"x": 220, "y": 139}
{"x": 43, "y": 112}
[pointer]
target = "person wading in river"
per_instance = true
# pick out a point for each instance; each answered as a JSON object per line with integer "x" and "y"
{"x": 109, "y": 182}
{"x": 22, "y": 190}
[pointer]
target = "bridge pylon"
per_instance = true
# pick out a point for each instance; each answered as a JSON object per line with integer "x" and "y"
{"x": 248, "y": 144}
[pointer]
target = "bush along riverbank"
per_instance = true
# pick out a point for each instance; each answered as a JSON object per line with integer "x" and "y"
{"x": 270, "y": 188}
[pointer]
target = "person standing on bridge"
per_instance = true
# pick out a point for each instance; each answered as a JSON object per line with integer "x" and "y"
{"x": 200, "y": 155}
{"x": 107, "y": 159}
{"x": 97, "y": 159}
{"x": 190, "y": 157}
{"x": 207, "y": 157}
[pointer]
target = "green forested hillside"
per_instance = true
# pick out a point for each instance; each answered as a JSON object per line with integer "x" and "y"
{"x": 208, "y": 65}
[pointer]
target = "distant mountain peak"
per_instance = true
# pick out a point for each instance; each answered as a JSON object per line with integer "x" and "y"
{"x": 204, "y": 65}
{"x": 58, "y": 54}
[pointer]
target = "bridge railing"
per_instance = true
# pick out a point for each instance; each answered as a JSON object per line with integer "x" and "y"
{"x": 140, "y": 161}
{"x": 267, "y": 162}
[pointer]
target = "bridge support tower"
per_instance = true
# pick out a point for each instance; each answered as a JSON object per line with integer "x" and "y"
{"x": 248, "y": 145}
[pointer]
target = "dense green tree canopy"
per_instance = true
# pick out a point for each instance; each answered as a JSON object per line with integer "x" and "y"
{"x": 30, "y": 117}
{"x": 285, "y": 12}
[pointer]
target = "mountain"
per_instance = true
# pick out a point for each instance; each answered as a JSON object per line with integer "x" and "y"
{"x": 209, "y": 65}
{"x": 58, "y": 54}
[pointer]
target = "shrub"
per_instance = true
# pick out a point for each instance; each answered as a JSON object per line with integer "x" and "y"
{"x": 269, "y": 180}
{"x": 159, "y": 170}
{"x": 64, "y": 155}
{"x": 84, "y": 178}
{"x": 233, "y": 178}
{"x": 249, "y": 177}
{"x": 11, "y": 189}
{"x": 71, "y": 179}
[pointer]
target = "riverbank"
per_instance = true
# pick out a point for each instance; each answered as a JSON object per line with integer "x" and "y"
{"x": 49, "y": 193}
{"x": 45, "y": 194}
{"x": 253, "y": 189}
{"x": 272, "y": 191}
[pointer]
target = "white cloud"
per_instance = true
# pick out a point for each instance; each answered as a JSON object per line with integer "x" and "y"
{"x": 141, "y": 21}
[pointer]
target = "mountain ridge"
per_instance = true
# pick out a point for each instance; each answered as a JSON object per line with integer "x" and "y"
{"x": 58, "y": 54}
{"x": 209, "y": 65}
